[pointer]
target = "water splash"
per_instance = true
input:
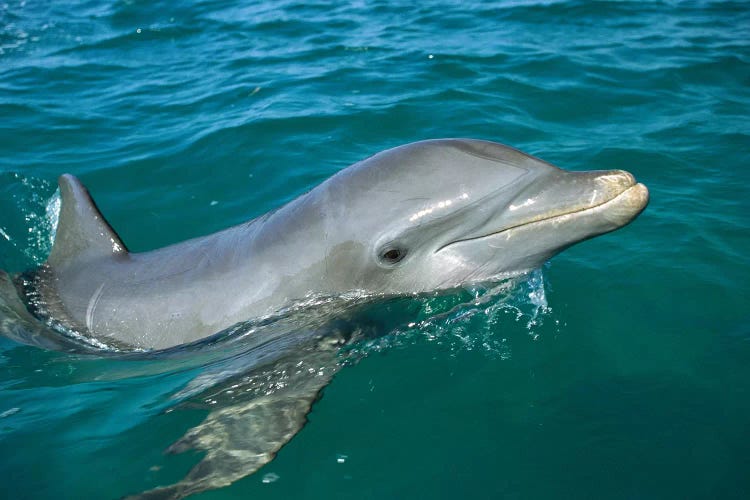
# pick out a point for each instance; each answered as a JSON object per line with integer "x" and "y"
{"x": 33, "y": 234}
{"x": 52, "y": 215}
{"x": 471, "y": 320}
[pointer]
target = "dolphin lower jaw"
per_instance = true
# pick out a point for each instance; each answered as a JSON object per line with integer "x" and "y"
{"x": 527, "y": 245}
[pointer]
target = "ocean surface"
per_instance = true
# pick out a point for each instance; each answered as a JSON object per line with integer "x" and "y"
{"x": 620, "y": 370}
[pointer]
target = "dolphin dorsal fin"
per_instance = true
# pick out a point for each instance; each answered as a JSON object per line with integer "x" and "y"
{"x": 82, "y": 231}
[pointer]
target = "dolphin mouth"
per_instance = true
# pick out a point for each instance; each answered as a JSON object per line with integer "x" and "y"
{"x": 617, "y": 211}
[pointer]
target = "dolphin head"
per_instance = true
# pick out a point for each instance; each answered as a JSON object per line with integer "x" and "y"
{"x": 444, "y": 213}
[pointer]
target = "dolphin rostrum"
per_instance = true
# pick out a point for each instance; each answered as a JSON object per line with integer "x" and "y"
{"x": 431, "y": 215}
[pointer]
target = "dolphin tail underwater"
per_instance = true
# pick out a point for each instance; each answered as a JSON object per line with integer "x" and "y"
{"x": 428, "y": 216}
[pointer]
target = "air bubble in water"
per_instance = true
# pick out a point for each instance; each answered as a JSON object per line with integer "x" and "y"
{"x": 270, "y": 478}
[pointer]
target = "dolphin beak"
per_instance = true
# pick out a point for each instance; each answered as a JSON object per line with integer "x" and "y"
{"x": 626, "y": 206}
{"x": 615, "y": 194}
{"x": 592, "y": 202}
{"x": 551, "y": 214}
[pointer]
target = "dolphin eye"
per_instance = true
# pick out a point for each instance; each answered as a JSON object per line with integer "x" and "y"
{"x": 393, "y": 255}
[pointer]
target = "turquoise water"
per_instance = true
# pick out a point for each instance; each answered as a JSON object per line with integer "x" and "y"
{"x": 622, "y": 370}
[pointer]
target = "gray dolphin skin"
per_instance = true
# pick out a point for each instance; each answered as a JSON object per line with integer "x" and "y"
{"x": 432, "y": 215}
{"x": 425, "y": 216}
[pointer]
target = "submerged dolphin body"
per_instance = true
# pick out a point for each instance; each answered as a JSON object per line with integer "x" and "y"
{"x": 425, "y": 216}
{"x": 421, "y": 217}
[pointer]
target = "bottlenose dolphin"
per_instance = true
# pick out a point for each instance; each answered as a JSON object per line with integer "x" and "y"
{"x": 431, "y": 215}
{"x": 425, "y": 216}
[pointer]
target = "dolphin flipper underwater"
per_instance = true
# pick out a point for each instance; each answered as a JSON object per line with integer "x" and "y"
{"x": 259, "y": 411}
{"x": 428, "y": 216}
